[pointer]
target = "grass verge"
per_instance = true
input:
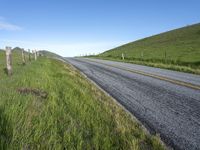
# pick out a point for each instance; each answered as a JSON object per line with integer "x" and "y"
{"x": 170, "y": 65}
{"x": 73, "y": 114}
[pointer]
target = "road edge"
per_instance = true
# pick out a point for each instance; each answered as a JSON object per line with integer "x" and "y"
{"x": 168, "y": 147}
{"x": 159, "y": 77}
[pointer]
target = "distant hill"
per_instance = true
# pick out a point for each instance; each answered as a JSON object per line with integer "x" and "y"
{"x": 45, "y": 53}
{"x": 14, "y": 49}
{"x": 181, "y": 45}
{"x": 17, "y": 49}
{"x": 48, "y": 53}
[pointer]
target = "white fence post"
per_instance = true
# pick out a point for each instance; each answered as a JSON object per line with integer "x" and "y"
{"x": 29, "y": 54}
{"x": 142, "y": 54}
{"x": 9, "y": 60}
{"x": 165, "y": 56}
{"x": 23, "y": 57}
{"x": 122, "y": 56}
{"x": 35, "y": 54}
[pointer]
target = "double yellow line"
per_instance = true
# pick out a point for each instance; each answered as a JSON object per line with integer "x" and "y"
{"x": 177, "y": 82}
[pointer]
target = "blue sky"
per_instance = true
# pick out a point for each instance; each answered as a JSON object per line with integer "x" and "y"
{"x": 75, "y": 27}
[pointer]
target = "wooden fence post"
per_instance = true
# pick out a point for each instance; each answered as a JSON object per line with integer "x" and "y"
{"x": 142, "y": 55}
{"x": 35, "y": 52}
{"x": 9, "y": 60}
{"x": 23, "y": 57}
{"x": 29, "y": 54}
{"x": 122, "y": 56}
{"x": 165, "y": 56}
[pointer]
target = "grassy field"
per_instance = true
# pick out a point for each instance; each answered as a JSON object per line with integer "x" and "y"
{"x": 47, "y": 104}
{"x": 177, "y": 49}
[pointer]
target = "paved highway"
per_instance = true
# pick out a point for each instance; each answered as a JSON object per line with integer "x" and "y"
{"x": 166, "y": 102}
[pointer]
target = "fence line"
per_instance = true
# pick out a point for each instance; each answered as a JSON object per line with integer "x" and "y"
{"x": 9, "y": 61}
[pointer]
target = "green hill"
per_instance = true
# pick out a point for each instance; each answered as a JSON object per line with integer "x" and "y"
{"x": 49, "y": 54}
{"x": 17, "y": 49}
{"x": 180, "y": 46}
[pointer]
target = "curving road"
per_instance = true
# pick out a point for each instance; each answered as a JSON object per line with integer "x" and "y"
{"x": 166, "y": 102}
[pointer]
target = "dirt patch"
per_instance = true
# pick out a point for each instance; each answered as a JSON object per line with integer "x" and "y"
{"x": 36, "y": 92}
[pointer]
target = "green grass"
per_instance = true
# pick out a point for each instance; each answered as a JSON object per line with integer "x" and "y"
{"x": 49, "y": 54}
{"x": 170, "y": 66}
{"x": 75, "y": 114}
{"x": 182, "y": 48}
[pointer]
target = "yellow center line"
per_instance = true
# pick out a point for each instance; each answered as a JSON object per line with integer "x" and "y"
{"x": 182, "y": 83}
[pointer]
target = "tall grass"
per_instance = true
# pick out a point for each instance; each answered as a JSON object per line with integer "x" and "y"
{"x": 75, "y": 114}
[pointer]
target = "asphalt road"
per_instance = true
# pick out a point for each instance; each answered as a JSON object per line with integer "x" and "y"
{"x": 169, "y": 107}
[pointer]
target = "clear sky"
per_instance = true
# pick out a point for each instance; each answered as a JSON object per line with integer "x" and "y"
{"x": 74, "y": 27}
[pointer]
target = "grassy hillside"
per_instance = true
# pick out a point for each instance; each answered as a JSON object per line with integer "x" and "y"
{"x": 47, "y": 104}
{"x": 178, "y": 47}
{"x": 49, "y": 54}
